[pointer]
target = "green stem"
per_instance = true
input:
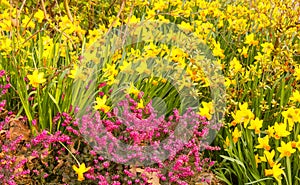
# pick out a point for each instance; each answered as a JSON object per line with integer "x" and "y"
{"x": 288, "y": 163}
{"x": 70, "y": 153}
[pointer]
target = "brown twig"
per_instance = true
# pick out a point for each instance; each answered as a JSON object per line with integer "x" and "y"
{"x": 66, "y": 5}
{"x": 118, "y": 15}
{"x": 54, "y": 27}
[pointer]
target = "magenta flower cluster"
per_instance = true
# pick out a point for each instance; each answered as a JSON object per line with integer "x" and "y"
{"x": 169, "y": 146}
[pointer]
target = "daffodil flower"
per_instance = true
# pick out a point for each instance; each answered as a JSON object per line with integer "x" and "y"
{"x": 80, "y": 171}
{"x": 36, "y": 78}
{"x": 100, "y": 104}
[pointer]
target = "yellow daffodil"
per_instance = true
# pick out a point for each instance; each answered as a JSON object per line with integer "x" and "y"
{"x": 27, "y": 22}
{"x": 236, "y": 135}
{"x": 268, "y": 157}
{"x": 244, "y": 52}
{"x": 286, "y": 149}
{"x": 276, "y": 172}
{"x": 217, "y": 51}
{"x": 244, "y": 115}
{"x": 290, "y": 117}
{"x": 110, "y": 70}
{"x": 143, "y": 68}
{"x": 270, "y": 131}
{"x": 207, "y": 110}
{"x": 227, "y": 142}
{"x": 132, "y": 90}
{"x": 264, "y": 143}
{"x": 100, "y": 104}
{"x": 267, "y": 47}
{"x": 36, "y": 78}
{"x": 280, "y": 130}
{"x": 250, "y": 40}
{"x": 126, "y": 66}
{"x": 256, "y": 125}
{"x": 39, "y": 15}
{"x": 80, "y": 171}
{"x": 257, "y": 160}
{"x": 73, "y": 71}
{"x": 235, "y": 66}
{"x": 295, "y": 97}
{"x": 141, "y": 104}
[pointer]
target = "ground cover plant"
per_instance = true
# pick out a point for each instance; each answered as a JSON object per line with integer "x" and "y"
{"x": 149, "y": 92}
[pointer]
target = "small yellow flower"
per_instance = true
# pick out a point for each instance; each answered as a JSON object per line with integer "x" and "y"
{"x": 276, "y": 171}
{"x": 250, "y": 40}
{"x": 236, "y": 135}
{"x": 270, "y": 131}
{"x": 244, "y": 52}
{"x": 217, "y": 51}
{"x": 39, "y": 15}
{"x": 264, "y": 143}
{"x": 227, "y": 142}
{"x": 74, "y": 71}
{"x": 80, "y": 171}
{"x": 132, "y": 90}
{"x": 100, "y": 104}
{"x": 296, "y": 96}
{"x": 290, "y": 116}
{"x": 297, "y": 73}
{"x": 141, "y": 104}
{"x": 268, "y": 157}
{"x": 256, "y": 125}
{"x": 280, "y": 130}
{"x": 36, "y": 78}
{"x": 286, "y": 149}
{"x": 257, "y": 160}
{"x": 235, "y": 65}
{"x": 267, "y": 47}
{"x": 244, "y": 115}
{"x": 207, "y": 110}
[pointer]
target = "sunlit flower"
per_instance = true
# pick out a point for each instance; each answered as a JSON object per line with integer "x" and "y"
{"x": 141, "y": 104}
{"x": 295, "y": 97}
{"x": 268, "y": 157}
{"x": 236, "y": 134}
{"x": 73, "y": 71}
{"x": 244, "y": 115}
{"x": 227, "y": 142}
{"x": 217, "y": 51}
{"x": 290, "y": 116}
{"x": 276, "y": 172}
{"x": 132, "y": 90}
{"x": 39, "y": 15}
{"x": 257, "y": 160}
{"x": 100, "y": 104}
{"x": 80, "y": 171}
{"x": 235, "y": 65}
{"x": 280, "y": 130}
{"x": 206, "y": 110}
{"x": 250, "y": 40}
{"x": 270, "y": 131}
{"x": 256, "y": 125}
{"x": 267, "y": 47}
{"x": 36, "y": 78}
{"x": 297, "y": 73}
{"x": 286, "y": 149}
{"x": 264, "y": 143}
{"x": 244, "y": 52}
